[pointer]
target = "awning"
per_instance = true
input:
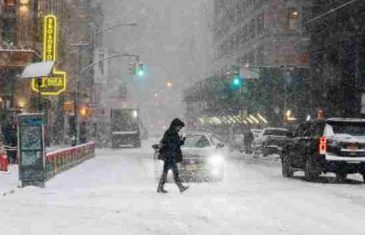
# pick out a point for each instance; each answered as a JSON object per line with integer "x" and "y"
{"x": 40, "y": 69}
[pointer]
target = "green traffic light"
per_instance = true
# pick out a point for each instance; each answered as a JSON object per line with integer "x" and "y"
{"x": 140, "y": 73}
{"x": 140, "y": 70}
{"x": 236, "y": 81}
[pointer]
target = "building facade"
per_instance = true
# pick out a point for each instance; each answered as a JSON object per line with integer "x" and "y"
{"x": 338, "y": 58}
{"x": 21, "y": 43}
{"x": 266, "y": 41}
{"x": 79, "y": 21}
{"x": 17, "y": 49}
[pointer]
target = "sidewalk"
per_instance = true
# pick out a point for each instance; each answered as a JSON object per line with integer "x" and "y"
{"x": 8, "y": 180}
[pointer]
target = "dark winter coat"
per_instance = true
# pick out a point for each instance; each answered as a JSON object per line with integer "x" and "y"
{"x": 171, "y": 143}
{"x": 248, "y": 138}
{"x": 10, "y": 134}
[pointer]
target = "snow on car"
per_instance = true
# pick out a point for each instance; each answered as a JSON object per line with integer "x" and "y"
{"x": 270, "y": 141}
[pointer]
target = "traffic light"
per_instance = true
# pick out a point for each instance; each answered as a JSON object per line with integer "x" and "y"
{"x": 236, "y": 78}
{"x": 140, "y": 70}
{"x": 236, "y": 81}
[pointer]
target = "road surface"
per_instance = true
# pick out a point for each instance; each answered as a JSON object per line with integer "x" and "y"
{"x": 114, "y": 193}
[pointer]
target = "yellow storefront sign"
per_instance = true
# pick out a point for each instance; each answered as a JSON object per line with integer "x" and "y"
{"x": 56, "y": 84}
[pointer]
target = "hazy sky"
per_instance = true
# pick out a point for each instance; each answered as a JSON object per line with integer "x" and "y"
{"x": 172, "y": 39}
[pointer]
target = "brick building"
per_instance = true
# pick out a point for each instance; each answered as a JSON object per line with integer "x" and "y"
{"x": 17, "y": 43}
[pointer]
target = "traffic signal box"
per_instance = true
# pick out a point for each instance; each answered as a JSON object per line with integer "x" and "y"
{"x": 237, "y": 80}
{"x": 140, "y": 70}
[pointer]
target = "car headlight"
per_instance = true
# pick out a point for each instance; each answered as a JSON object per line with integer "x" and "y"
{"x": 216, "y": 160}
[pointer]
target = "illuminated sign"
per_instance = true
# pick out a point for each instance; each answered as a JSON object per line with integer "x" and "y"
{"x": 49, "y": 38}
{"x": 56, "y": 84}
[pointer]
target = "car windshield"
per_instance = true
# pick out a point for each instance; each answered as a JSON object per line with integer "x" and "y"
{"x": 345, "y": 128}
{"x": 276, "y": 132}
{"x": 196, "y": 141}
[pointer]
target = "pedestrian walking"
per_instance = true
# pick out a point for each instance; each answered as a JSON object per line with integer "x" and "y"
{"x": 10, "y": 139}
{"x": 171, "y": 154}
{"x": 248, "y": 139}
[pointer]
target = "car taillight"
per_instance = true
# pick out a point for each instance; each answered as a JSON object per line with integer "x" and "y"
{"x": 322, "y": 145}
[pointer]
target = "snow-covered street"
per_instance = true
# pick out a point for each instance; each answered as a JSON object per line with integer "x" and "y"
{"x": 115, "y": 193}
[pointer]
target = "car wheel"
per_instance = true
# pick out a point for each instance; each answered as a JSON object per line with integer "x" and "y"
{"x": 285, "y": 166}
{"x": 114, "y": 145}
{"x": 265, "y": 152}
{"x": 310, "y": 173}
{"x": 341, "y": 177}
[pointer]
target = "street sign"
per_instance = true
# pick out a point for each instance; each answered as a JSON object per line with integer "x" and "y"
{"x": 56, "y": 84}
{"x": 31, "y": 149}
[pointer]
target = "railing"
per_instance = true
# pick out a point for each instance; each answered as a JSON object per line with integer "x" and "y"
{"x": 61, "y": 160}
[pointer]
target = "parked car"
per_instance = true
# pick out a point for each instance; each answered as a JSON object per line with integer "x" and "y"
{"x": 334, "y": 145}
{"x": 257, "y": 132}
{"x": 203, "y": 158}
{"x": 270, "y": 141}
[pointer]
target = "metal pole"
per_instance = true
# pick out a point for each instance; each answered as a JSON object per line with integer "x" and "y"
{"x": 76, "y": 101}
{"x": 39, "y": 80}
{"x": 329, "y": 12}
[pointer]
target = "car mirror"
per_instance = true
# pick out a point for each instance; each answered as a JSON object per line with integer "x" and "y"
{"x": 220, "y": 145}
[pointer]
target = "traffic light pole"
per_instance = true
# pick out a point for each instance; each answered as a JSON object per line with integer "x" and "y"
{"x": 107, "y": 58}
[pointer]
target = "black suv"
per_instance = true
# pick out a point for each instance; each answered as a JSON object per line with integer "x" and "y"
{"x": 330, "y": 145}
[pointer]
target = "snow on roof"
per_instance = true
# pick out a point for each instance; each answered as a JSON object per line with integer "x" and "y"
{"x": 345, "y": 120}
{"x": 276, "y": 128}
{"x": 41, "y": 69}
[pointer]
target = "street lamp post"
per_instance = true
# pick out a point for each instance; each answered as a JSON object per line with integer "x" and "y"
{"x": 81, "y": 71}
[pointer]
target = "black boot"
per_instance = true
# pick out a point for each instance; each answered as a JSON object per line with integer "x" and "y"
{"x": 160, "y": 188}
{"x": 182, "y": 188}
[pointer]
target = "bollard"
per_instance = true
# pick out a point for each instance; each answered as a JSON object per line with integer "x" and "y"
{"x": 4, "y": 162}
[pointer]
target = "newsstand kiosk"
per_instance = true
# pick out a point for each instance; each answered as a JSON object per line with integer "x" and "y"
{"x": 31, "y": 152}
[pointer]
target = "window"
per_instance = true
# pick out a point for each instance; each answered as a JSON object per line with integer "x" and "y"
{"x": 275, "y": 132}
{"x": 9, "y": 6}
{"x": 345, "y": 129}
{"x": 196, "y": 141}
{"x": 293, "y": 18}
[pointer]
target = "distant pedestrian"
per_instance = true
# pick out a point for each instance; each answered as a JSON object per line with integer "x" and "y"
{"x": 248, "y": 138}
{"x": 171, "y": 152}
{"x": 10, "y": 139}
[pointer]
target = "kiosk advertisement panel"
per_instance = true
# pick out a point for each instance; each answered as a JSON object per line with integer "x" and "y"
{"x": 31, "y": 149}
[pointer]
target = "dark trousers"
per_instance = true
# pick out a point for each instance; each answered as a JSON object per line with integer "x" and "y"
{"x": 166, "y": 167}
{"x": 11, "y": 156}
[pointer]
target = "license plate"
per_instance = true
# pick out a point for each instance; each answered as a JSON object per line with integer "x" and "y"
{"x": 352, "y": 146}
